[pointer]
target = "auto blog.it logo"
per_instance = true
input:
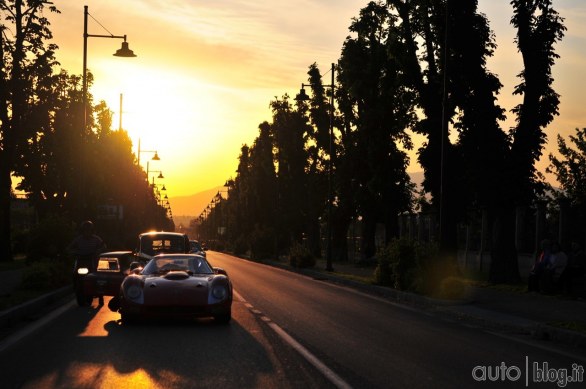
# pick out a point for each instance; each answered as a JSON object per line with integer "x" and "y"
{"x": 533, "y": 372}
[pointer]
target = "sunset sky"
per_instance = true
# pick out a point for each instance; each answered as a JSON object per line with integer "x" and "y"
{"x": 206, "y": 71}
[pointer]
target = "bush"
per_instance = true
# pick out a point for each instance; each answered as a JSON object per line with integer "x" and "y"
{"x": 300, "y": 256}
{"x": 397, "y": 264}
{"x": 46, "y": 274}
{"x": 262, "y": 244}
{"x": 383, "y": 272}
{"x": 50, "y": 238}
{"x": 19, "y": 240}
{"x": 403, "y": 263}
{"x": 240, "y": 246}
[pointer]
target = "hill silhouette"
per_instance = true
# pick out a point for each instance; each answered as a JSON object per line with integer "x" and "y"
{"x": 192, "y": 205}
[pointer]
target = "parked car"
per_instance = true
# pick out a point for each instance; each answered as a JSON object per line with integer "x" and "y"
{"x": 177, "y": 286}
{"x": 102, "y": 276}
{"x": 196, "y": 248}
{"x": 161, "y": 242}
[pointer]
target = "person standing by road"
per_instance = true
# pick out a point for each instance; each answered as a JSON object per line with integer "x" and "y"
{"x": 542, "y": 260}
{"x": 552, "y": 280}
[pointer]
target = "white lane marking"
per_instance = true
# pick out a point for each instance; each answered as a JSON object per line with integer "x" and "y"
{"x": 305, "y": 353}
{"x": 29, "y": 329}
{"x": 326, "y": 371}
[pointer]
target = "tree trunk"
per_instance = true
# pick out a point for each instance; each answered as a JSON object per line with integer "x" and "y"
{"x": 313, "y": 238}
{"x": 368, "y": 248}
{"x": 504, "y": 266}
{"x": 340, "y": 239}
{"x": 5, "y": 200}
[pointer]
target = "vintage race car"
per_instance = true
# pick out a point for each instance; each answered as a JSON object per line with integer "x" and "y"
{"x": 176, "y": 286}
{"x": 102, "y": 276}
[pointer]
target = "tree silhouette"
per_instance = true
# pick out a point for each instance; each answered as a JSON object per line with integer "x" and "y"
{"x": 380, "y": 109}
{"x": 26, "y": 63}
{"x": 570, "y": 171}
{"x": 539, "y": 27}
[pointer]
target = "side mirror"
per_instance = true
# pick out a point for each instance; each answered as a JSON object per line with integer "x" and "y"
{"x": 135, "y": 267}
{"x": 219, "y": 270}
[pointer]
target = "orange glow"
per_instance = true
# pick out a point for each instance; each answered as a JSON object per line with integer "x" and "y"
{"x": 80, "y": 375}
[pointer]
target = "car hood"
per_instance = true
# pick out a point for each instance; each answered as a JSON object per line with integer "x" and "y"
{"x": 176, "y": 288}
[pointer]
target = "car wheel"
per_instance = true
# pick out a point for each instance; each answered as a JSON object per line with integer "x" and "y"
{"x": 83, "y": 300}
{"x": 114, "y": 304}
{"x": 223, "y": 318}
{"x": 128, "y": 319}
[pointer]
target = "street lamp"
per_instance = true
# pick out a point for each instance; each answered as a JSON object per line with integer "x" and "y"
{"x": 124, "y": 51}
{"x": 302, "y": 96}
{"x": 154, "y": 171}
{"x": 154, "y": 158}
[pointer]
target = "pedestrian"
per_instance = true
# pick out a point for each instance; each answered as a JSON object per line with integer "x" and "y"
{"x": 541, "y": 260}
{"x": 551, "y": 280}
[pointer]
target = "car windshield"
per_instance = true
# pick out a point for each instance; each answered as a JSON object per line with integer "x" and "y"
{"x": 192, "y": 264}
{"x": 195, "y": 246}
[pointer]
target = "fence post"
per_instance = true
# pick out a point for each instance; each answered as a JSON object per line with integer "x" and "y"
{"x": 540, "y": 215}
{"x": 520, "y": 212}
{"x": 563, "y": 236}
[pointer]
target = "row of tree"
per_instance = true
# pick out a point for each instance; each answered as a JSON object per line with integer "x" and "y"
{"x": 416, "y": 66}
{"x": 67, "y": 169}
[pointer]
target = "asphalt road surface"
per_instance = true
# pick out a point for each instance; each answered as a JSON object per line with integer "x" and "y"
{"x": 288, "y": 331}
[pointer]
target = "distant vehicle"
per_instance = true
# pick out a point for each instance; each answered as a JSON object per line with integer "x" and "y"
{"x": 176, "y": 286}
{"x": 196, "y": 248}
{"x": 160, "y": 242}
{"x": 102, "y": 278}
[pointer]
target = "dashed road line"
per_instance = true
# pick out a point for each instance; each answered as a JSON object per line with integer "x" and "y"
{"x": 305, "y": 353}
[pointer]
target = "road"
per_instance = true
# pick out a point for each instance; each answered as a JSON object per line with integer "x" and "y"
{"x": 288, "y": 331}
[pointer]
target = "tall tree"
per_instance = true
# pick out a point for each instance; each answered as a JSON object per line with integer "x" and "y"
{"x": 319, "y": 113}
{"x": 26, "y": 61}
{"x": 539, "y": 27}
{"x": 383, "y": 109}
{"x": 262, "y": 188}
{"x": 288, "y": 128}
{"x": 422, "y": 28}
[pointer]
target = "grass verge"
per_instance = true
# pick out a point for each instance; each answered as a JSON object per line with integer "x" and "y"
{"x": 577, "y": 326}
{"x": 20, "y": 296}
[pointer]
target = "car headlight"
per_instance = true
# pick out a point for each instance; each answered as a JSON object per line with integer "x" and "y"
{"x": 133, "y": 292}
{"x": 219, "y": 292}
{"x": 83, "y": 270}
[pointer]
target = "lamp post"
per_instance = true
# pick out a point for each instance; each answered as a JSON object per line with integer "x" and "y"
{"x": 124, "y": 51}
{"x": 154, "y": 171}
{"x": 154, "y": 158}
{"x": 302, "y": 96}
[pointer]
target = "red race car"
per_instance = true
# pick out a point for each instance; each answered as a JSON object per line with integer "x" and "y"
{"x": 102, "y": 277}
{"x": 177, "y": 286}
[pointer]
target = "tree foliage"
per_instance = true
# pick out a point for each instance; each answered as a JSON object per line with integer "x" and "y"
{"x": 65, "y": 171}
{"x": 27, "y": 63}
{"x": 570, "y": 169}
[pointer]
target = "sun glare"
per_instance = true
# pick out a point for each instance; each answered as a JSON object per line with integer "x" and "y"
{"x": 194, "y": 126}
